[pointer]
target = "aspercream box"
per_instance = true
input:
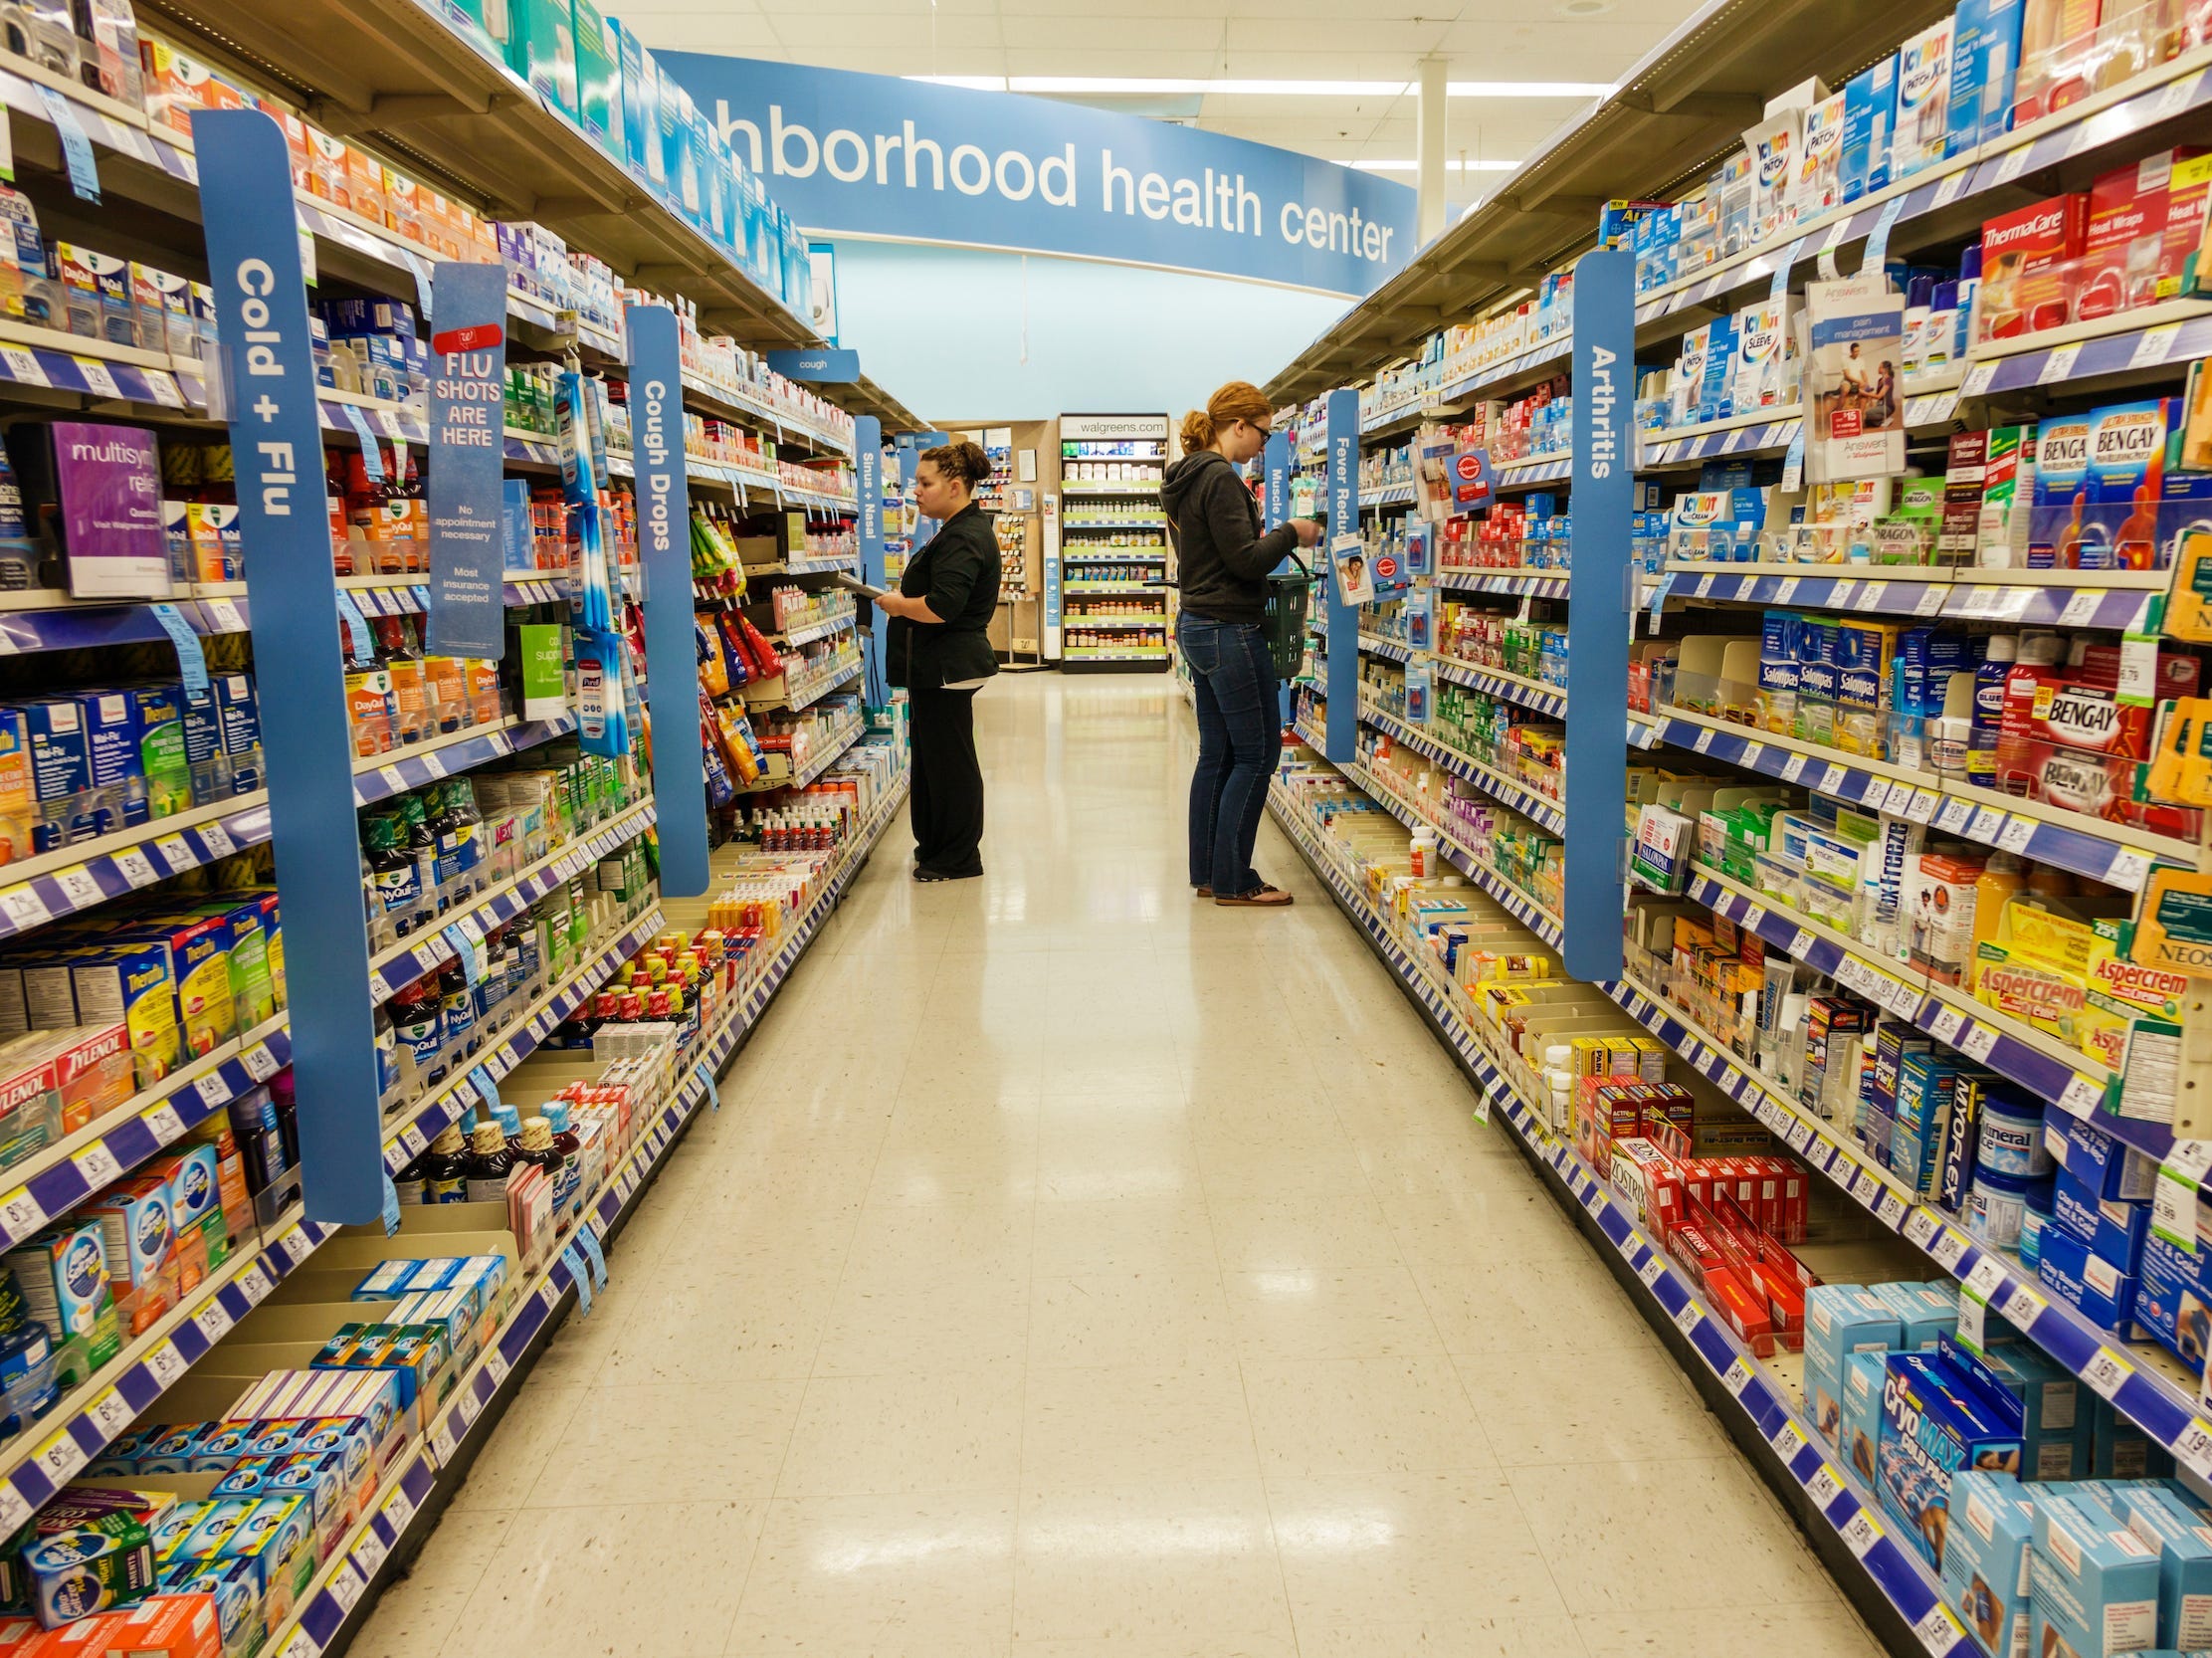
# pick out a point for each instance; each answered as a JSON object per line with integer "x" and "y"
{"x": 1986, "y": 1559}
{"x": 2096, "y": 1581}
{"x": 2184, "y": 1544}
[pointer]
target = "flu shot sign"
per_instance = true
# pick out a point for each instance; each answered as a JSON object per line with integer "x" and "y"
{"x": 467, "y": 421}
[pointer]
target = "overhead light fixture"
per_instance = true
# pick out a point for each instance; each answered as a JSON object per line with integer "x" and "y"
{"x": 1449, "y": 166}
{"x": 1107, "y": 85}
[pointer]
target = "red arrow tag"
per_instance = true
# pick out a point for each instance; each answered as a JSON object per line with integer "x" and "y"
{"x": 480, "y": 336}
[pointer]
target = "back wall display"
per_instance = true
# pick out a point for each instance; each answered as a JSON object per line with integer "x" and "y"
{"x": 880, "y": 156}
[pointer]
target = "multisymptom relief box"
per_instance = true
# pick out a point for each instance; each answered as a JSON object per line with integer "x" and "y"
{"x": 1986, "y": 1555}
{"x": 2173, "y": 1299}
{"x": 1840, "y": 1319}
{"x": 2096, "y": 1581}
{"x": 1936, "y": 1421}
{"x": 2184, "y": 1544}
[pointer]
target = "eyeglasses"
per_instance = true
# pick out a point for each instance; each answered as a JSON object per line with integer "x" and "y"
{"x": 1265, "y": 432}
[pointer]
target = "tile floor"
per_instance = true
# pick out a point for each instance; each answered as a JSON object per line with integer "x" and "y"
{"x": 1081, "y": 1270}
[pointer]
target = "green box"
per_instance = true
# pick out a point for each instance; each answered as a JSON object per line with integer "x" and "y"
{"x": 598, "y": 79}
{"x": 540, "y": 657}
{"x": 543, "y": 50}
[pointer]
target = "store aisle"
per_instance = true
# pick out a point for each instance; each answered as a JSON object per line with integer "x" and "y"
{"x": 1080, "y": 1270}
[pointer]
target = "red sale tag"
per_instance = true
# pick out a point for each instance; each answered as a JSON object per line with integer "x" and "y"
{"x": 480, "y": 337}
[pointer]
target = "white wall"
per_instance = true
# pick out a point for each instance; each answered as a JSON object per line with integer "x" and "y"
{"x": 942, "y": 331}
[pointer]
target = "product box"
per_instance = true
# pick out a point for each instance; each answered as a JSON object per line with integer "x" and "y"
{"x": 1840, "y": 1319}
{"x": 2173, "y": 1299}
{"x": 543, "y": 51}
{"x": 238, "y": 712}
{"x": 63, "y": 1273}
{"x": 1935, "y": 1421}
{"x": 2113, "y": 1230}
{"x": 1927, "y": 1312}
{"x": 2028, "y": 262}
{"x": 93, "y": 492}
{"x": 129, "y": 982}
{"x": 2178, "y": 1531}
{"x": 2096, "y": 1581}
{"x": 1772, "y": 146}
{"x": 112, "y": 755}
{"x": 1924, "y": 101}
{"x": 1818, "y": 182}
{"x": 1859, "y": 1438}
{"x": 1986, "y": 1559}
{"x": 158, "y": 715}
{"x": 2054, "y": 1419}
{"x": 2100, "y": 1291}
{"x": 138, "y": 1239}
{"x": 1870, "y": 115}
{"x": 598, "y": 78}
{"x": 2119, "y": 1450}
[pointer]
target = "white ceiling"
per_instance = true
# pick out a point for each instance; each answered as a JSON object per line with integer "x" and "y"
{"x": 1302, "y": 39}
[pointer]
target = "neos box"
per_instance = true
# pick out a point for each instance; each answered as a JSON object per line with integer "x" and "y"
{"x": 1986, "y": 1555}
{"x": 2096, "y": 1581}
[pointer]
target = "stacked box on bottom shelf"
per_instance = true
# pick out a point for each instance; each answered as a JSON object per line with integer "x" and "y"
{"x": 1714, "y": 1236}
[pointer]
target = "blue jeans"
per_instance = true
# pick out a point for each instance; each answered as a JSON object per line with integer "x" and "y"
{"x": 1240, "y": 742}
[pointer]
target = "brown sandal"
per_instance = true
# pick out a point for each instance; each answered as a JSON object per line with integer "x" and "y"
{"x": 1203, "y": 892}
{"x": 1262, "y": 896}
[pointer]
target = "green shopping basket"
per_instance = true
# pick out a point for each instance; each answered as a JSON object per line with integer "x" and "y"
{"x": 1284, "y": 621}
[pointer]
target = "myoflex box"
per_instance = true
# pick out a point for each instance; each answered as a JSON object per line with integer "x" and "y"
{"x": 1840, "y": 1319}
{"x": 2096, "y": 1581}
{"x": 1869, "y": 117}
{"x": 2184, "y": 1544}
{"x": 1986, "y": 1559}
{"x": 1935, "y": 1421}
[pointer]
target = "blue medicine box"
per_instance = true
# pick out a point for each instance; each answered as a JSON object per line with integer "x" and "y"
{"x": 1840, "y": 1319}
{"x": 2096, "y": 1581}
{"x": 1986, "y": 1555}
{"x": 2185, "y": 1546}
{"x": 2100, "y": 1291}
{"x": 1934, "y": 1422}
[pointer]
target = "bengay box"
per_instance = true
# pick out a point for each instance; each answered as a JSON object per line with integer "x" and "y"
{"x": 1986, "y": 1559}
{"x": 2096, "y": 1581}
{"x": 1934, "y": 1422}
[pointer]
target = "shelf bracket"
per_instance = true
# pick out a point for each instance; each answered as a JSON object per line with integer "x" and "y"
{"x": 387, "y": 111}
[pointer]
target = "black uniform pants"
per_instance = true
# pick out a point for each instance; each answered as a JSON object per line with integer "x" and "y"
{"x": 948, "y": 800}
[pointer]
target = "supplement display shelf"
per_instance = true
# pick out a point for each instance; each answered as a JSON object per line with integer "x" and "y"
{"x": 811, "y": 691}
{"x": 1496, "y": 681}
{"x": 817, "y": 765}
{"x": 36, "y": 1465}
{"x": 1526, "y": 909}
{"x": 2109, "y": 852}
{"x": 811, "y": 631}
{"x": 392, "y": 970}
{"x": 1536, "y": 583}
{"x": 1828, "y": 1150}
{"x": 2155, "y": 340}
{"x": 745, "y": 404}
{"x": 47, "y": 619}
{"x": 56, "y": 1178}
{"x": 1108, "y": 586}
{"x": 451, "y": 1098}
{"x": 2115, "y": 599}
{"x": 1535, "y": 363}
{"x": 82, "y": 877}
{"x": 1391, "y": 650}
{"x": 812, "y": 566}
{"x": 1829, "y": 1494}
{"x": 380, "y": 776}
{"x": 1146, "y": 491}
{"x": 2015, "y": 1050}
{"x": 1083, "y": 653}
{"x": 1543, "y": 813}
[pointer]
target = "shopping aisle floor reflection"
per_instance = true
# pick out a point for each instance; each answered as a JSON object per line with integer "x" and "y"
{"x": 1078, "y": 1270}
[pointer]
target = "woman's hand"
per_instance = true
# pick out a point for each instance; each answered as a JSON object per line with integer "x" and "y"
{"x": 1309, "y": 530}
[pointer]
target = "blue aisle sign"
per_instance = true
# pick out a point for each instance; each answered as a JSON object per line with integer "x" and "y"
{"x": 1276, "y": 459}
{"x": 1344, "y": 619}
{"x": 819, "y": 367}
{"x": 1597, "y": 667}
{"x": 665, "y": 549}
{"x": 261, "y": 302}
{"x": 468, "y": 447}
{"x": 877, "y": 155}
{"x": 868, "y": 468}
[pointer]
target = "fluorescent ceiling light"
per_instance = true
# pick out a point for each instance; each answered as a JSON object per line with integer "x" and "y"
{"x": 1449, "y": 166}
{"x": 1139, "y": 85}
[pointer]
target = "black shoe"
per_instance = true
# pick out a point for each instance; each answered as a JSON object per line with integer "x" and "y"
{"x": 925, "y": 873}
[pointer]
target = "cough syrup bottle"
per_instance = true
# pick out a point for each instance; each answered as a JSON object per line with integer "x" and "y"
{"x": 445, "y": 1167}
{"x": 489, "y": 1163}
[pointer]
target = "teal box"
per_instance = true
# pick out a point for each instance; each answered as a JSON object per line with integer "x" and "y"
{"x": 1840, "y": 1319}
{"x": 2119, "y": 1450}
{"x": 1927, "y": 1312}
{"x": 675, "y": 145}
{"x": 2185, "y": 1546}
{"x": 543, "y": 50}
{"x": 1986, "y": 1555}
{"x": 2096, "y": 1581}
{"x": 641, "y": 106}
{"x": 2055, "y": 1420}
{"x": 1861, "y": 1430}
{"x": 598, "y": 79}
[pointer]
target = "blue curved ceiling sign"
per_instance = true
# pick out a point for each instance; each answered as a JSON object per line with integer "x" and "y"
{"x": 873, "y": 155}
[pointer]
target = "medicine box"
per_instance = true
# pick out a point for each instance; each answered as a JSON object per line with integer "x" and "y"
{"x": 2054, "y": 1421}
{"x": 2184, "y": 1545}
{"x": 1927, "y": 1312}
{"x": 2173, "y": 1299}
{"x": 2100, "y": 1291}
{"x": 1869, "y": 117}
{"x": 2113, "y": 1230}
{"x": 1934, "y": 1422}
{"x": 2103, "y": 1164}
{"x": 2096, "y": 1581}
{"x": 1986, "y": 1555}
{"x": 1859, "y": 1433}
{"x": 2119, "y": 1450}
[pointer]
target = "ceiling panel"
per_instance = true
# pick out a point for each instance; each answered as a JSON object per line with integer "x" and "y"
{"x": 1369, "y": 37}
{"x": 1071, "y": 38}
{"x": 672, "y": 24}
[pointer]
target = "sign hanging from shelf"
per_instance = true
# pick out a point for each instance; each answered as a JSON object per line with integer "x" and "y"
{"x": 878, "y": 156}
{"x": 822, "y": 367}
{"x": 468, "y": 418}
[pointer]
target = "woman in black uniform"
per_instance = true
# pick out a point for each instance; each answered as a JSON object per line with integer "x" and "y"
{"x": 935, "y": 646}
